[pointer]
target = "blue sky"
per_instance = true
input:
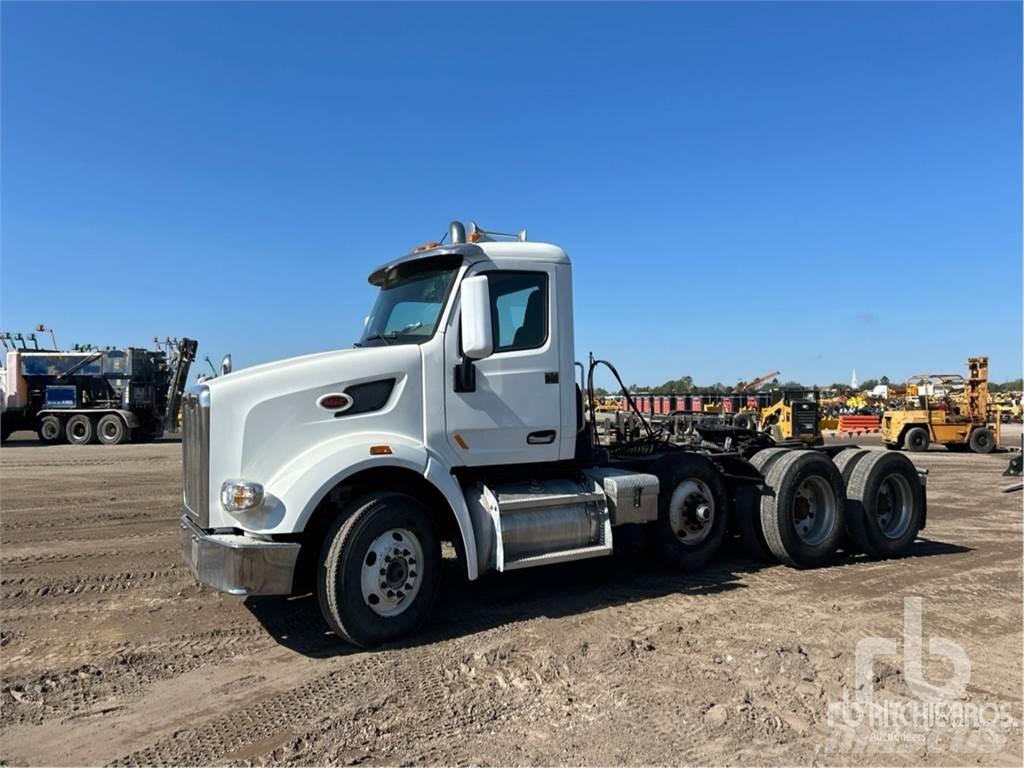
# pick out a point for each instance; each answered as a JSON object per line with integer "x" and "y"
{"x": 806, "y": 187}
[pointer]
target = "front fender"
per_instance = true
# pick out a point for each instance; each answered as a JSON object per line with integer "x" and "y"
{"x": 293, "y": 494}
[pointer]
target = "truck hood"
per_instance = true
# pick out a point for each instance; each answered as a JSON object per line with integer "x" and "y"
{"x": 264, "y": 417}
{"x": 263, "y": 369}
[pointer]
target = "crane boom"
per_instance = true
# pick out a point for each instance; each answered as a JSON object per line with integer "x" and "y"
{"x": 751, "y": 386}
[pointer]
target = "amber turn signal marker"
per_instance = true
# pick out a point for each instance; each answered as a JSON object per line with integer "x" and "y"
{"x": 462, "y": 443}
{"x": 380, "y": 450}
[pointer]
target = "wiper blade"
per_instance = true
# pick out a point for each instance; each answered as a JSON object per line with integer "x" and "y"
{"x": 379, "y": 336}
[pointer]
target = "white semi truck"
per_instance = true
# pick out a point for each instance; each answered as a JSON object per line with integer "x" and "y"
{"x": 458, "y": 417}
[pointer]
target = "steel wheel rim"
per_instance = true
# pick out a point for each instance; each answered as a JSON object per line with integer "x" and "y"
{"x": 50, "y": 430}
{"x": 691, "y": 512}
{"x": 814, "y": 510}
{"x": 78, "y": 430}
{"x": 892, "y": 505}
{"x": 391, "y": 572}
{"x": 110, "y": 430}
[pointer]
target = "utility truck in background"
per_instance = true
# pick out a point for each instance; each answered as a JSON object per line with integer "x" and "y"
{"x": 90, "y": 395}
{"x": 458, "y": 416}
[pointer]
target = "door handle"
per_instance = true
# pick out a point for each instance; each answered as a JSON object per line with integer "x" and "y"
{"x": 544, "y": 437}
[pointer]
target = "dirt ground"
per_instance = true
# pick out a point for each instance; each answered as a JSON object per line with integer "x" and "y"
{"x": 111, "y": 652}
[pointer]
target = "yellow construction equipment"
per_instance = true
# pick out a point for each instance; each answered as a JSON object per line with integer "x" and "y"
{"x": 607, "y": 405}
{"x": 793, "y": 416}
{"x": 944, "y": 408}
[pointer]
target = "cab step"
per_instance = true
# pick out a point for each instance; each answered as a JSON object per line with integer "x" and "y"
{"x": 550, "y": 558}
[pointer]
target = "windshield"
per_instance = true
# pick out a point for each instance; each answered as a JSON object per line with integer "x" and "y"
{"x": 408, "y": 308}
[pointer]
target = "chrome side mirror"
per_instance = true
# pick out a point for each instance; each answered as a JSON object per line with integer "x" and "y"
{"x": 225, "y": 365}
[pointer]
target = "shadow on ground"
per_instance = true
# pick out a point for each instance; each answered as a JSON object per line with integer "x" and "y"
{"x": 466, "y": 607}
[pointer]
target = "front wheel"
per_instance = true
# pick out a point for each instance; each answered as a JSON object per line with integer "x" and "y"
{"x": 50, "y": 430}
{"x": 917, "y": 439}
{"x": 379, "y": 569}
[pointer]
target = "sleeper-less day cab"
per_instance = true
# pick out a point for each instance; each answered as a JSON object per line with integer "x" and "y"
{"x": 457, "y": 416}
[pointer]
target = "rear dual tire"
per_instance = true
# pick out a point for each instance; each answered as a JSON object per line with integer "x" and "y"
{"x": 885, "y": 503}
{"x": 111, "y": 430}
{"x": 803, "y": 510}
{"x": 747, "y": 510}
{"x": 80, "y": 430}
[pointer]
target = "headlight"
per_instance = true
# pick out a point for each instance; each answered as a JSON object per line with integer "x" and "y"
{"x": 240, "y": 495}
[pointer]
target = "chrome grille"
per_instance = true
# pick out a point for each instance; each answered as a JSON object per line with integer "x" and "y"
{"x": 195, "y": 453}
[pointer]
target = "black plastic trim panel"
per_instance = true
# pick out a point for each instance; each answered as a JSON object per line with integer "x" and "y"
{"x": 367, "y": 397}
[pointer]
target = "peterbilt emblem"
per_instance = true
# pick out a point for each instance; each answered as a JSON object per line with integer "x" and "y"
{"x": 335, "y": 402}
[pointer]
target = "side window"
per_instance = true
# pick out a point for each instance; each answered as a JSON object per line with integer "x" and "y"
{"x": 519, "y": 309}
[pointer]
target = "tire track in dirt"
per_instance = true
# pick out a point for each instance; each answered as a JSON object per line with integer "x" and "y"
{"x": 19, "y": 591}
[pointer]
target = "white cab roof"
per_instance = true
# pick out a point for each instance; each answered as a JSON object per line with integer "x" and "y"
{"x": 524, "y": 250}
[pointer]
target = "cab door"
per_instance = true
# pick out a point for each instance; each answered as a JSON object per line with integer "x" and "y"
{"x": 511, "y": 412}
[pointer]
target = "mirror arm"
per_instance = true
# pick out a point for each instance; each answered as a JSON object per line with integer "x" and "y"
{"x": 465, "y": 375}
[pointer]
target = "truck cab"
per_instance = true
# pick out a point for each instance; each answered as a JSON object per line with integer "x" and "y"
{"x": 456, "y": 417}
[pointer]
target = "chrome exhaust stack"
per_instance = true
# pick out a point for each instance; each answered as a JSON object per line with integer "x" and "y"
{"x": 456, "y": 233}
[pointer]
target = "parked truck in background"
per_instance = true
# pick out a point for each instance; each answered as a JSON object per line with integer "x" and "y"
{"x": 458, "y": 416}
{"x": 108, "y": 395}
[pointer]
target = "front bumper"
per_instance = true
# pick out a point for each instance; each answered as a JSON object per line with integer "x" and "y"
{"x": 238, "y": 565}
